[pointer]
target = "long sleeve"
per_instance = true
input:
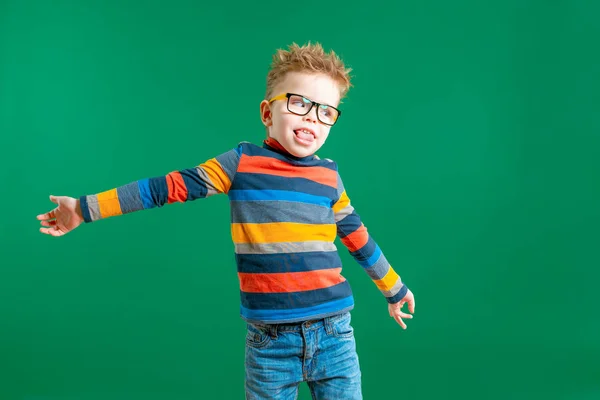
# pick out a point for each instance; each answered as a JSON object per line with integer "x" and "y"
{"x": 209, "y": 178}
{"x": 364, "y": 249}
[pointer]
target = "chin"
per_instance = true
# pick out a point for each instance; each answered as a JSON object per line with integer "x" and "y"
{"x": 305, "y": 154}
{"x": 302, "y": 152}
{"x": 296, "y": 149}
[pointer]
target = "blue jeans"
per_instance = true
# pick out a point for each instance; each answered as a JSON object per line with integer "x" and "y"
{"x": 319, "y": 352}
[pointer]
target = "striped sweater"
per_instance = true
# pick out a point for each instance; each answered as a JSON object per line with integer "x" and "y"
{"x": 285, "y": 215}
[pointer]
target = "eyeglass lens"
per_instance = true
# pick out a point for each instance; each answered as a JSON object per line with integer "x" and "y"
{"x": 302, "y": 106}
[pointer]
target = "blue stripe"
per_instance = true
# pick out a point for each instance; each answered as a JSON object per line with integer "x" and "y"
{"x": 159, "y": 190}
{"x": 238, "y": 150}
{"x": 310, "y": 161}
{"x": 284, "y": 262}
{"x": 196, "y": 187}
{"x": 303, "y": 299}
{"x": 348, "y": 225}
{"x": 371, "y": 260}
{"x": 256, "y": 195}
{"x": 297, "y": 314}
{"x": 144, "y": 186}
{"x": 366, "y": 251}
{"x": 398, "y": 296}
{"x": 85, "y": 211}
{"x": 250, "y": 181}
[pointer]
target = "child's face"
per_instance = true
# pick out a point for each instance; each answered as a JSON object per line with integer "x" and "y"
{"x": 300, "y": 135}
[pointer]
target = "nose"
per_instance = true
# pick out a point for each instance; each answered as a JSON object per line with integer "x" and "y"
{"x": 312, "y": 115}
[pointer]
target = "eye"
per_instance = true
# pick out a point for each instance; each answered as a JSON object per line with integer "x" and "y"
{"x": 306, "y": 102}
{"x": 326, "y": 111}
{"x": 298, "y": 102}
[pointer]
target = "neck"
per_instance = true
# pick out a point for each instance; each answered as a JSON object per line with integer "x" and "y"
{"x": 276, "y": 146}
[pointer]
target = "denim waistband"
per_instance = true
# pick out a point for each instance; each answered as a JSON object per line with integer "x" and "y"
{"x": 312, "y": 324}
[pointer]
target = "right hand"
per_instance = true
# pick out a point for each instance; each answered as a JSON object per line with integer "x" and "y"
{"x": 64, "y": 218}
{"x": 396, "y": 312}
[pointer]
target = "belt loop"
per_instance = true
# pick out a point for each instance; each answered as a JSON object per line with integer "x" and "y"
{"x": 328, "y": 325}
{"x": 273, "y": 330}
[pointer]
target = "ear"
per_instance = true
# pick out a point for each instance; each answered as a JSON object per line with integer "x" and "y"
{"x": 266, "y": 115}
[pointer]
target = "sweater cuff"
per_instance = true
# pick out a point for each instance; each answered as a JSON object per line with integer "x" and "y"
{"x": 85, "y": 211}
{"x": 398, "y": 296}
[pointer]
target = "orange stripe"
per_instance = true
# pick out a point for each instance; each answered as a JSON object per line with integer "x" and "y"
{"x": 108, "y": 203}
{"x": 357, "y": 239}
{"x": 177, "y": 189}
{"x": 272, "y": 166}
{"x": 388, "y": 281}
{"x": 277, "y": 232}
{"x": 342, "y": 203}
{"x": 289, "y": 281}
{"x": 217, "y": 176}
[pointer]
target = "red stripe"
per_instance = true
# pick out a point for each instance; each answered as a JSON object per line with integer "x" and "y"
{"x": 289, "y": 281}
{"x": 273, "y": 166}
{"x": 177, "y": 189}
{"x": 357, "y": 239}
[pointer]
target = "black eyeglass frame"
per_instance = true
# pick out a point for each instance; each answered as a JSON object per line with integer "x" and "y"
{"x": 313, "y": 103}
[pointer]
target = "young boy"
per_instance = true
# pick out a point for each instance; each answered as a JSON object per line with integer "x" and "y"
{"x": 287, "y": 205}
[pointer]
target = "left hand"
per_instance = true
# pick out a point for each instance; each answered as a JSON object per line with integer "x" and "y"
{"x": 395, "y": 309}
{"x": 64, "y": 218}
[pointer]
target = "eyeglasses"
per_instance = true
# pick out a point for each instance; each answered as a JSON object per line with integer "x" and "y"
{"x": 300, "y": 105}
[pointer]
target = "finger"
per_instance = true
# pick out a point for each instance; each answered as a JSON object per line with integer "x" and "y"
{"x": 400, "y": 322}
{"x": 54, "y": 231}
{"x": 48, "y": 215}
{"x": 58, "y": 231}
{"x": 411, "y": 305}
{"x": 49, "y": 223}
{"x": 403, "y": 315}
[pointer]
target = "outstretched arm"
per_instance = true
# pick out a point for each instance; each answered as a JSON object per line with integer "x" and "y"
{"x": 354, "y": 235}
{"x": 209, "y": 178}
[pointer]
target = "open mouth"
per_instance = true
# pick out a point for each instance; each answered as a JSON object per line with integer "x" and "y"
{"x": 304, "y": 136}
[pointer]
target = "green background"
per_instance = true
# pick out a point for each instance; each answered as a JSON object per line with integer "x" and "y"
{"x": 469, "y": 145}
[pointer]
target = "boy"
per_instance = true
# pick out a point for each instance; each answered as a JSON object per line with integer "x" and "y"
{"x": 287, "y": 205}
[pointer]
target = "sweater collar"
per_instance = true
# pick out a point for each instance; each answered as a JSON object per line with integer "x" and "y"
{"x": 274, "y": 145}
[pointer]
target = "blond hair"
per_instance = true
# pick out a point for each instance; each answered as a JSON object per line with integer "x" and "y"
{"x": 309, "y": 58}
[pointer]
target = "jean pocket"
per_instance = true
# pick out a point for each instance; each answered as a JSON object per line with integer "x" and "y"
{"x": 257, "y": 336}
{"x": 341, "y": 326}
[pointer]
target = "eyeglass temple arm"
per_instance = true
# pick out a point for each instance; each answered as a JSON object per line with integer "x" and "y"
{"x": 278, "y": 97}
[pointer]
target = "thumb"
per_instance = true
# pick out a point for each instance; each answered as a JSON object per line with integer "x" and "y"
{"x": 54, "y": 199}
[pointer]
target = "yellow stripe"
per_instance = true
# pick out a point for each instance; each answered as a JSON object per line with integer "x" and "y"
{"x": 108, "y": 202}
{"x": 282, "y": 232}
{"x": 388, "y": 281}
{"x": 341, "y": 203}
{"x": 217, "y": 176}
